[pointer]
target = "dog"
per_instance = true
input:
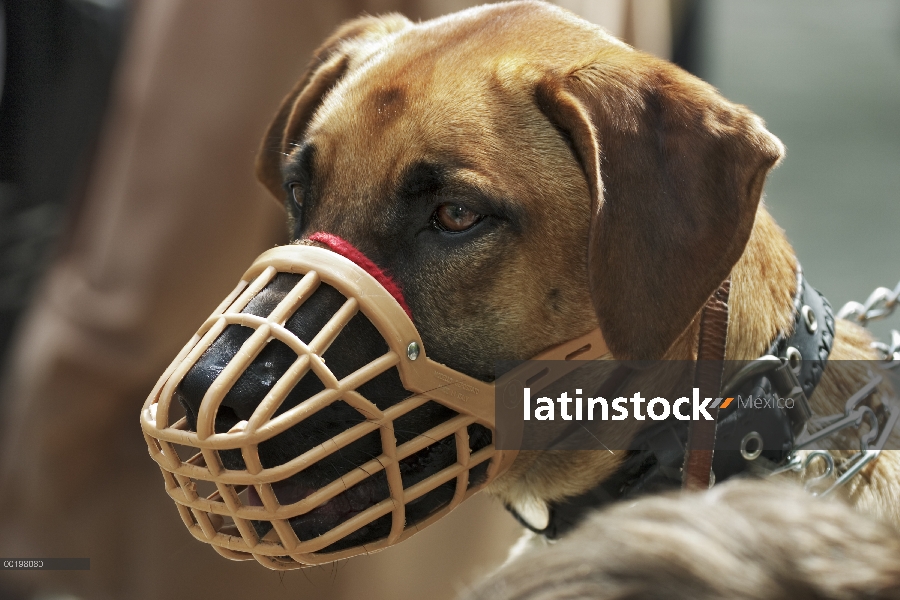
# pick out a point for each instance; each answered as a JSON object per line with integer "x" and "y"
{"x": 740, "y": 539}
{"x": 524, "y": 178}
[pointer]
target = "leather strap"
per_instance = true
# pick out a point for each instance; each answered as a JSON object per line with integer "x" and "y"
{"x": 698, "y": 456}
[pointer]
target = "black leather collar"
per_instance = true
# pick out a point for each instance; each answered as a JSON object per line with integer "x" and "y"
{"x": 655, "y": 461}
{"x": 812, "y": 336}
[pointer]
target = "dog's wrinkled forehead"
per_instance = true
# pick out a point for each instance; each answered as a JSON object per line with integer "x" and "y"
{"x": 374, "y": 125}
{"x": 449, "y": 67}
{"x": 455, "y": 93}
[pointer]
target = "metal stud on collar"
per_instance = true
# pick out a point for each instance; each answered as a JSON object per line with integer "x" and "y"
{"x": 751, "y": 446}
{"x": 809, "y": 319}
{"x": 794, "y": 359}
{"x": 412, "y": 351}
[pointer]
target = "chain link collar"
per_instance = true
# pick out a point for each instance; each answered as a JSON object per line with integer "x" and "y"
{"x": 792, "y": 367}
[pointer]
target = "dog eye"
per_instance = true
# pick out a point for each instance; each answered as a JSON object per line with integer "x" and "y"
{"x": 297, "y": 195}
{"x": 454, "y": 217}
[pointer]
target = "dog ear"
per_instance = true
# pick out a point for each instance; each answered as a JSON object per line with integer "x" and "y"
{"x": 328, "y": 65}
{"x": 675, "y": 174}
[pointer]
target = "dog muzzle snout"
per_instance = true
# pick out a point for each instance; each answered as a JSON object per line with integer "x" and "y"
{"x": 229, "y": 490}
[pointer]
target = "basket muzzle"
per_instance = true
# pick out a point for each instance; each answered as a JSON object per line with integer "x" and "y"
{"x": 319, "y": 465}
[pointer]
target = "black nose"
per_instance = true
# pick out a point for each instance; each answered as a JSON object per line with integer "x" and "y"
{"x": 274, "y": 359}
{"x": 358, "y": 344}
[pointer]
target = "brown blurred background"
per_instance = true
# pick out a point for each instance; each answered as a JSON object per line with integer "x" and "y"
{"x": 128, "y": 209}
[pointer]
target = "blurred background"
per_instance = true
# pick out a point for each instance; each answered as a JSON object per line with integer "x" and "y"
{"x": 128, "y": 209}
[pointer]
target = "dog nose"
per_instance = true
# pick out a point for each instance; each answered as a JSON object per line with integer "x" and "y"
{"x": 250, "y": 388}
{"x": 269, "y": 365}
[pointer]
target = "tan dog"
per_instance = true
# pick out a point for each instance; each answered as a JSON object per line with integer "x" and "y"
{"x": 525, "y": 178}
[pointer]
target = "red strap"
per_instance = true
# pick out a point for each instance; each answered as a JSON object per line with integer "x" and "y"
{"x": 341, "y": 246}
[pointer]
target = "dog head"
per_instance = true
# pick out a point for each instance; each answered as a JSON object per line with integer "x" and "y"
{"x": 514, "y": 166}
{"x": 523, "y": 178}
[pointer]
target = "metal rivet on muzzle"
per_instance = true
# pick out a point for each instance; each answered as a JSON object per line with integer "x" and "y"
{"x": 809, "y": 319}
{"x": 412, "y": 351}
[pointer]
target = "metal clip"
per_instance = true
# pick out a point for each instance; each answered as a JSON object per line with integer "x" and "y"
{"x": 785, "y": 382}
{"x": 853, "y": 416}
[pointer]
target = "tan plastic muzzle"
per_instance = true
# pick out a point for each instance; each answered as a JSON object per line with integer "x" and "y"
{"x": 189, "y": 460}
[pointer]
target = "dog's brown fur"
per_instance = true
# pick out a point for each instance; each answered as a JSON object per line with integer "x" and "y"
{"x": 738, "y": 540}
{"x": 624, "y": 190}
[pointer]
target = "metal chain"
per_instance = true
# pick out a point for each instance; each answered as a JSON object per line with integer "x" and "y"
{"x": 880, "y": 304}
{"x": 854, "y": 415}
